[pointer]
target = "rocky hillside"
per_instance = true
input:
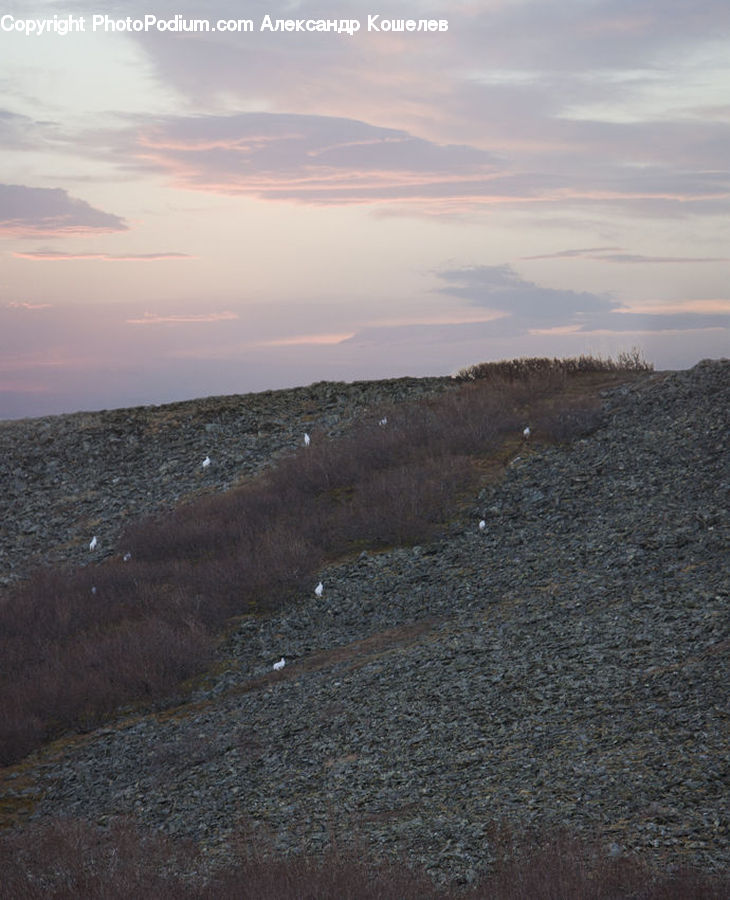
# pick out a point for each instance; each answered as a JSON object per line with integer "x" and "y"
{"x": 67, "y": 478}
{"x": 565, "y": 666}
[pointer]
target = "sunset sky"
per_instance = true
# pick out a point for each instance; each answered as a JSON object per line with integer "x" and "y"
{"x": 191, "y": 213}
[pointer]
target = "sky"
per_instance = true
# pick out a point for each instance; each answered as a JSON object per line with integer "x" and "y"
{"x": 189, "y": 212}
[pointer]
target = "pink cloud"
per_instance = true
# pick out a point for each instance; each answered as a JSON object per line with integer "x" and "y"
{"x": 568, "y": 254}
{"x": 449, "y": 317}
{"x": 638, "y": 258}
{"x": 533, "y": 309}
{"x": 309, "y": 159}
{"x": 27, "y": 211}
{"x": 334, "y": 160}
{"x": 21, "y": 304}
{"x": 53, "y": 255}
{"x": 602, "y": 254}
{"x": 304, "y": 339}
{"x": 186, "y": 319}
{"x": 707, "y": 306}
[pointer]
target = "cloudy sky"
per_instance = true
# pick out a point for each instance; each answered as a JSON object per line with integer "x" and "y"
{"x": 185, "y": 213}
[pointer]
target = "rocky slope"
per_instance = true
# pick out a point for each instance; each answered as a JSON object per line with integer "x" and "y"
{"x": 66, "y": 478}
{"x": 566, "y": 666}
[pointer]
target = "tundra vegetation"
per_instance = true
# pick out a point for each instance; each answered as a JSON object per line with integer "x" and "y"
{"x": 70, "y": 657}
{"x": 73, "y": 859}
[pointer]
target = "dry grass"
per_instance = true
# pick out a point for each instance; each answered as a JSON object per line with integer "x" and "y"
{"x": 70, "y": 859}
{"x": 70, "y": 657}
{"x": 539, "y": 366}
{"x": 74, "y": 646}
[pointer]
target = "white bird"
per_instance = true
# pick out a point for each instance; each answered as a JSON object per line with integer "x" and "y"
{"x": 319, "y": 589}
{"x": 526, "y": 432}
{"x": 94, "y": 542}
{"x": 278, "y": 666}
{"x": 307, "y": 440}
{"x": 383, "y": 421}
{"x": 482, "y": 525}
{"x": 206, "y": 462}
{"x": 93, "y": 590}
{"x": 127, "y": 557}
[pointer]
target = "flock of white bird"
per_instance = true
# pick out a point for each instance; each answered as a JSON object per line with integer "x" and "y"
{"x": 278, "y": 666}
{"x": 526, "y": 432}
{"x": 319, "y": 590}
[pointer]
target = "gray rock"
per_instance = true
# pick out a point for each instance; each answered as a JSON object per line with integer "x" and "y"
{"x": 565, "y": 668}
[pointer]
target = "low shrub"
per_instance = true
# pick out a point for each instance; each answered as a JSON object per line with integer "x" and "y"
{"x": 530, "y": 367}
{"x": 76, "y": 644}
{"x": 70, "y": 859}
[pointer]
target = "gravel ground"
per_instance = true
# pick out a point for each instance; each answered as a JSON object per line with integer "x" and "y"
{"x": 567, "y": 666}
